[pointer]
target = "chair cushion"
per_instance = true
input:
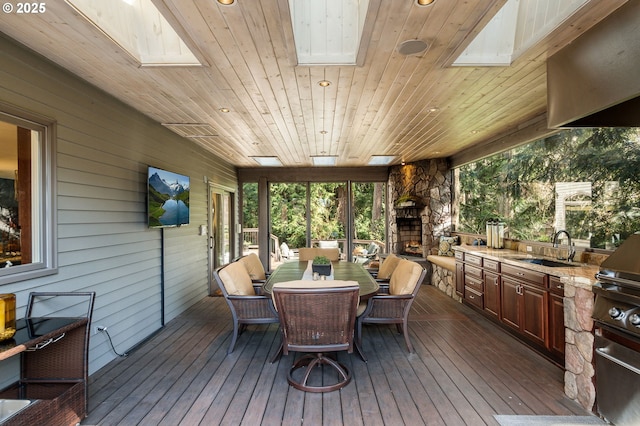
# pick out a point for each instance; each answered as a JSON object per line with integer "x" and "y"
{"x": 306, "y": 253}
{"x": 446, "y": 245}
{"x": 236, "y": 280}
{"x": 254, "y": 266}
{"x": 388, "y": 265}
{"x": 405, "y": 277}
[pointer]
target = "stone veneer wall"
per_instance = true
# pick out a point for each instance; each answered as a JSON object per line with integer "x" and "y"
{"x": 431, "y": 182}
{"x": 579, "y": 339}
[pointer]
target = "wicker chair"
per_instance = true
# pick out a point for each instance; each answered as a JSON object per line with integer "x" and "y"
{"x": 317, "y": 320}
{"x": 393, "y": 308}
{"x": 245, "y": 299}
{"x": 254, "y": 267}
{"x": 383, "y": 273}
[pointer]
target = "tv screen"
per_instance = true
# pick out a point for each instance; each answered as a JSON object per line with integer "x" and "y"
{"x": 168, "y": 198}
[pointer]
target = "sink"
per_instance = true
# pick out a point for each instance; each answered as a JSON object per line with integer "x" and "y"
{"x": 547, "y": 262}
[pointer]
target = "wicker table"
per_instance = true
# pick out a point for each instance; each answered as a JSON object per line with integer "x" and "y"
{"x": 347, "y": 271}
{"x": 54, "y": 360}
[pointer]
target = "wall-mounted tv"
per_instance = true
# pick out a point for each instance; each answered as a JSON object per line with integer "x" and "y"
{"x": 167, "y": 198}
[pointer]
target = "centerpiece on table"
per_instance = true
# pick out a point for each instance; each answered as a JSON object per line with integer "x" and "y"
{"x": 321, "y": 265}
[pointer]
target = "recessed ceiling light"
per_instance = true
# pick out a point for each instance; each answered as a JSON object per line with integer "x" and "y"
{"x": 424, "y": 2}
{"x": 323, "y": 132}
{"x": 268, "y": 161}
{"x": 434, "y": 109}
{"x": 324, "y": 83}
{"x": 324, "y": 160}
{"x": 226, "y": 2}
{"x": 224, "y": 110}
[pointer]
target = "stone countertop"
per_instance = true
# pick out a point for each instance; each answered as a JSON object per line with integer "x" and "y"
{"x": 582, "y": 275}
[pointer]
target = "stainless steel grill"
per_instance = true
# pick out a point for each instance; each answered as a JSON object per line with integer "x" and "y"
{"x": 617, "y": 344}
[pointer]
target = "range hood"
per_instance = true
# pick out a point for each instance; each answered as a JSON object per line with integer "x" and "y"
{"x": 595, "y": 80}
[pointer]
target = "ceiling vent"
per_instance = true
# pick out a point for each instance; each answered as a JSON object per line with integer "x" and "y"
{"x": 192, "y": 130}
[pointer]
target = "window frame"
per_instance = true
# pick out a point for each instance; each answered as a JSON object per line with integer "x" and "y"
{"x": 47, "y": 245}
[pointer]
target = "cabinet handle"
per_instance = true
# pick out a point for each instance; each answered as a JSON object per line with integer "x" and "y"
{"x": 495, "y": 281}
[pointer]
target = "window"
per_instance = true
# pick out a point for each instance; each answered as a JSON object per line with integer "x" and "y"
{"x": 26, "y": 198}
{"x": 585, "y": 181}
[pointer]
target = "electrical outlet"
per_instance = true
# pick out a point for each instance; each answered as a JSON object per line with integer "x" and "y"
{"x": 99, "y": 328}
{"x": 529, "y": 249}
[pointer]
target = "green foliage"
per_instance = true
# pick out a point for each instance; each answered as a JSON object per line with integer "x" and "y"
{"x": 328, "y": 205}
{"x": 519, "y": 186}
{"x": 321, "y": 260}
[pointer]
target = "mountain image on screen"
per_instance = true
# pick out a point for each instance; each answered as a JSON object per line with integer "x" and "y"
{"x": 168, "y": 198}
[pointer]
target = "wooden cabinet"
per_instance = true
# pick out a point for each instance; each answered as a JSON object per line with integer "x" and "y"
{"x": 459, "y": 278}
{"x": 556, "y": 318}
{"x": 492, "y": 294}
{"x": 524, "y": 302}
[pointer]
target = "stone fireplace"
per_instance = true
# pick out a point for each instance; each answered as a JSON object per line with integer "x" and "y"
{"x": 409, "y": 236}
{"x": 421, "y": 196}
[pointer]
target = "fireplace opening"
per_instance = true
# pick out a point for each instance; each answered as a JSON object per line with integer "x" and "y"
{"x": 410, "y": 237}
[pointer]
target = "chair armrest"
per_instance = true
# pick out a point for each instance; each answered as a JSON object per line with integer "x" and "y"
{"x": 383, "y": 286}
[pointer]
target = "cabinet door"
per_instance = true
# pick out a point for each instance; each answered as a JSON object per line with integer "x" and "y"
{"x": 460, "y": 278}
{"x": 510, "y": 302}
{"x": 492, "y": 294}
{"x": 556, "y": 325}
{"x": 534, "y": 315}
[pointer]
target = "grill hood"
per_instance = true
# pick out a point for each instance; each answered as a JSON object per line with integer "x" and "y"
{"x": 593, "y": 82}
{"x": 625, "y": 261}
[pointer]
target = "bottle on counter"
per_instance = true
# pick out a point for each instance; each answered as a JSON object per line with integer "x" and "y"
{"x": 7, "y": 316}
{"x": 500, "y": 231}
{"x": 490, "y": 233}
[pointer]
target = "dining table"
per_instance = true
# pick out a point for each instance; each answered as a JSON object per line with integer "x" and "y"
{"x": 341, "y": 270}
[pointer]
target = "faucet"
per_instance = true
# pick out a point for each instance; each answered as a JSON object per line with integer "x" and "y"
{"x": 571, "y": 251}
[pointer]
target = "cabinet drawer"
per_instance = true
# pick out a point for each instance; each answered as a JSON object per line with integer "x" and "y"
{"x": 491, "y": 265}
{"x": 473, "y": 282}
{"x": 534, "y": 277}
{"x": 556, "y": 286}
{"x": 473, "y": 297}
{"x": 473, "y": 260}
{"x": 473, "y": 271}
{"x": 459, "y": 255}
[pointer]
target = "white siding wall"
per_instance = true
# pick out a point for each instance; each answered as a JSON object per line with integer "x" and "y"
{"x": 104, "y": 245}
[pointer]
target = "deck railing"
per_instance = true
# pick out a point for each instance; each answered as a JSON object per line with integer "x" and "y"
{"x": 251, "y": 243}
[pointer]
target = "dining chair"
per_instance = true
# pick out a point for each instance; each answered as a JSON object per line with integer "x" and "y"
{"x": 393, "y": 308}
{"x": 254, "y": 267}
{"x": 308, "y": 253}
{"x": 245, "y": 299}
{"x": 387, "y": 266}
{"x": 317, "y": 317}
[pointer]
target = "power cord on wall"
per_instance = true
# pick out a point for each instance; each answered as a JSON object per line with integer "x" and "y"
{"x": 104, "y": 330}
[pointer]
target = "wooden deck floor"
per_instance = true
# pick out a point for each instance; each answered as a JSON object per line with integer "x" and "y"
{"x": 465, "y": 370}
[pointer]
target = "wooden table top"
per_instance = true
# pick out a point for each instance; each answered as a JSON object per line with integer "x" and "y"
{"x": 346, "y": 271}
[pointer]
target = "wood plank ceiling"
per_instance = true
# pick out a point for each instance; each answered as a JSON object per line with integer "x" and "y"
{"x": 411, "y": 106}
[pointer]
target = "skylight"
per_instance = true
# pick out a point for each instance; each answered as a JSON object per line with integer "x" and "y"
{"x": 517, "y": 26}
{"x": 327, "y": 32}
{"x": 139, "y": 28}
